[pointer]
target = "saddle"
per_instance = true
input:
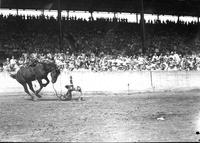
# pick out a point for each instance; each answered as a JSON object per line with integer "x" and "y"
{"x": 32, "y": 63}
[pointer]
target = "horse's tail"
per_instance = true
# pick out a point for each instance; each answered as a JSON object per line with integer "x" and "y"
{"x": 13, "y": 76}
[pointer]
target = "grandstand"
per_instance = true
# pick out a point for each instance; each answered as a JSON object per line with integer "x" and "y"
{"x": 168, "y": 7}
{"x": 114, "y": 42}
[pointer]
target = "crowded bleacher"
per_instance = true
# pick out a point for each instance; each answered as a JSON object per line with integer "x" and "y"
{"x": 99, "y": 45}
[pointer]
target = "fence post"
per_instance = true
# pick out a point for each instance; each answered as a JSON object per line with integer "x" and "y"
{"x": 151, "y": 78}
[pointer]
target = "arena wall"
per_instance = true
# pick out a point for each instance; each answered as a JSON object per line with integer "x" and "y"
{"x": 115, "y": 82}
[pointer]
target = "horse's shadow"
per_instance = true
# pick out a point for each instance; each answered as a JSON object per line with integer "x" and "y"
{"x": 54, "y": 99}
{"x": 42, "y": 99}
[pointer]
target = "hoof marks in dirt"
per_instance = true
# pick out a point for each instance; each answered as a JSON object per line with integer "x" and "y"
{"x": 159, "y": 116}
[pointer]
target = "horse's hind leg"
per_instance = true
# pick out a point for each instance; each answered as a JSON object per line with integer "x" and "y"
{"x": 27, "y": 91}
{"x": 41, "y": 86}
{"x": 31, "y": 88}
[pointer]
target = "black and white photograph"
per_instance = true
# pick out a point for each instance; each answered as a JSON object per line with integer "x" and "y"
{"x": 99, "y": 70}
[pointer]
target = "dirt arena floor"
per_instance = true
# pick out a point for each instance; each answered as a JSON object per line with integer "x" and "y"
{"x": 161, "y": 116}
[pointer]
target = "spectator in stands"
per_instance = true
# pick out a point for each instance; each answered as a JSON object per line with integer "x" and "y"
{"x": 1, "y": 67}
{"x": 6, "y": 64}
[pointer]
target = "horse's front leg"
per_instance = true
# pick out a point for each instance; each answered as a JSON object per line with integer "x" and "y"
{"x": 47, "y": 82}
{"x": 31, "y": 88}
{"x": 41, "y": 86}
{"x": 27, "y": 91}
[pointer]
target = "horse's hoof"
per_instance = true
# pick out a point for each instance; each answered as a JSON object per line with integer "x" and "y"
{"x": 33, "y": 99}
{"x": 39, "y": 96}
{"x": 80, "y": 99}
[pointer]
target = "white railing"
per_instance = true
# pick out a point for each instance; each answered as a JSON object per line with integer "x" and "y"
{"x": 115, "y": 81}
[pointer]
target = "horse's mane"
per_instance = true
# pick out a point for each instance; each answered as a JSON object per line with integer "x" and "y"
{"x": 49, "y": 65}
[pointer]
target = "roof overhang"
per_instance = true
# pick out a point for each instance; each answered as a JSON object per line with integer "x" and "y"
{"x": 161, "y": 7}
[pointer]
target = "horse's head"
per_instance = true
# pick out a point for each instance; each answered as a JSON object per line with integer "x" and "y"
{"x": 54, "y": 75}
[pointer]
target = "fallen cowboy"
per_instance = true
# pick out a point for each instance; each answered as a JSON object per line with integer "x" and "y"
{"x": 70, "y": 89}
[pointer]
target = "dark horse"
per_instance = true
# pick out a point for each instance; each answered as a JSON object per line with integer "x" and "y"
{"x": 39, "y": 71}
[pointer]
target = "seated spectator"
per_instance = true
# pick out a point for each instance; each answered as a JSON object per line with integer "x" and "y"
{"x": 13, "y": 63}
{"x": 6, "y": 65}
{"x": 1, "y": 67}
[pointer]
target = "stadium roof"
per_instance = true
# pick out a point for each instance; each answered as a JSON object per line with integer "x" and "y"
{"x": 169, "y": 7}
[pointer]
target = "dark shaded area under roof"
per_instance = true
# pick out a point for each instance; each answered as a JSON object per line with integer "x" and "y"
{"x": 171, "y": 7}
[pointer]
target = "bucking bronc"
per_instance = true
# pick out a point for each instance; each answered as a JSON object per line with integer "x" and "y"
{"x": 25, "y": 75}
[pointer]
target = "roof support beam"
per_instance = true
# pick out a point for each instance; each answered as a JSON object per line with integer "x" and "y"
{"x": 158, "y": 18}
{"x": 42, "y": 12}
{"x": 136, "y": 17}
{"x": 142, "y": 23}
{"x": 60, "y": 27}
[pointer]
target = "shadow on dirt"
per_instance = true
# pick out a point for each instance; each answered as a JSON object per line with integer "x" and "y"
{"x": 54, "y": 99}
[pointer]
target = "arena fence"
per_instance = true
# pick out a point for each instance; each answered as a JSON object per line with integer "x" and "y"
{"x": 115, "y": 82}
